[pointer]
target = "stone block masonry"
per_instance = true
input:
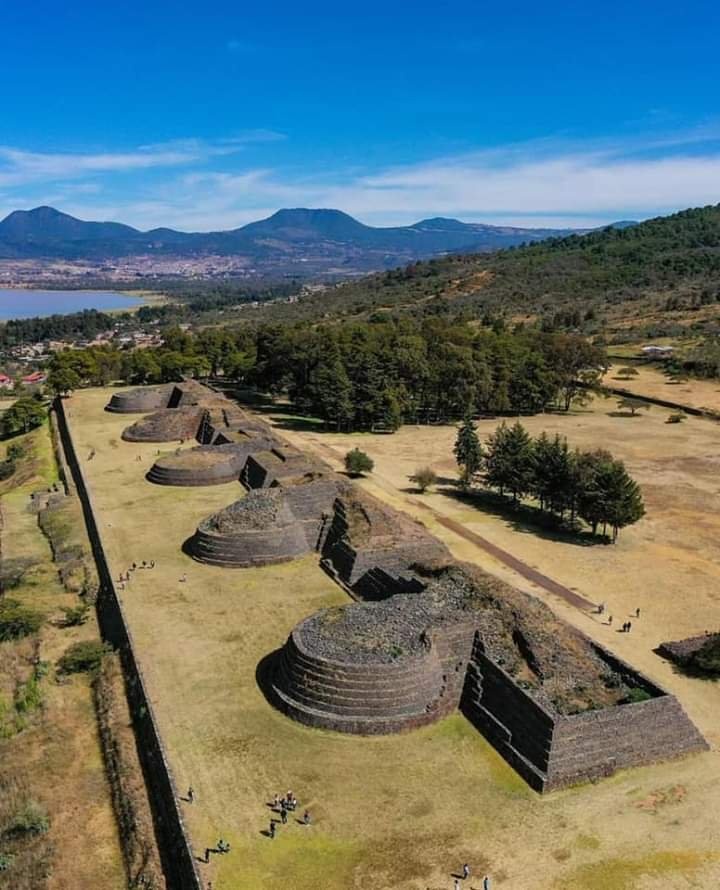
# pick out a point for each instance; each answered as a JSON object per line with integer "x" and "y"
{"x": 428, "y": 635}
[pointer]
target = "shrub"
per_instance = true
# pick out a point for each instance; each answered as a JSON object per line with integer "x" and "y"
{"x": 707, "y": 658}
{"x": 7, "y": 468}
{"x": 83, "y": 657}
{"x": 16, "y": 621}
{"x": 675, "y": 418}
{"x": 29, "y": 819}
{"x": 75, "y": 615}
{"x": 424, "y": 478}
{"x": 6, "y": 860}
{"x": 635, "y": 695}
{"x": 15, "y": 451}
{"x": 357, "y": 462}
{"x": 626, "y": 373}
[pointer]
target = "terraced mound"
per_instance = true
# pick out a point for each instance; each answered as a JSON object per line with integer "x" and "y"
{"x": 260, "y": 529}
{"x": 554, "y": 704}
{"x": 373, "y": 550}
{"x": 140, "y": 401}
{"x": 204, "y": 465}
{"x": 166, "y": 425}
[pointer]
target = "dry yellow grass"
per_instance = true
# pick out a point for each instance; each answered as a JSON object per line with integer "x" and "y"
{"x": 653, "y": 383}
{"x": 397, "y": 812}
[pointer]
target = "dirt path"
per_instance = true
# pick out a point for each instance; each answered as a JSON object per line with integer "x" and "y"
{"x": 507, "y": 559}
{"x": 512, "y": 562}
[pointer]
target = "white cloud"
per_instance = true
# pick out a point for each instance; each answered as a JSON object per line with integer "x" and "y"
{"x": 19, "y": 167}
{"x": 544, "y": 183}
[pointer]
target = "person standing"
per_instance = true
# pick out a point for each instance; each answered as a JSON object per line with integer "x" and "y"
{"x": 486, "y": 883}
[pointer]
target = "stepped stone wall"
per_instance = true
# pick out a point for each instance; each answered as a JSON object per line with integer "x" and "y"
{"x": 372, "y": 549}
{"x": 429, "y": 635}
{"x": 260, "y": 529}
{"x": 555, "y": 705}
{"x": 165, "y": 425}
{"x": 140, "y": 401}
{"x": 281, "y": 465}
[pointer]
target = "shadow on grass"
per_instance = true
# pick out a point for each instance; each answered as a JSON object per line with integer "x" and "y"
{"x": 264, "y": 673}
{"x": 525, "y": 518}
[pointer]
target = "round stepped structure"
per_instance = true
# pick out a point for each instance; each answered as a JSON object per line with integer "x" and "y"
{"x": 166, "y": 425}
{"x": 204, "y": 465}
{"x": 348, "y": 670}
{"x": 258, "y": 530}
{"x": 139, "y": 401}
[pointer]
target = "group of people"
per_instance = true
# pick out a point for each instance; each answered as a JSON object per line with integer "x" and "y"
{"x": 125, "y": 578}
{"x": 285, "y": 805}
{"x": 466, "y": 874}
{"x": 627, "y": 625}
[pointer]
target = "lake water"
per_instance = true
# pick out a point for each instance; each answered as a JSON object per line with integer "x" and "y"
{"x": 29, "y": 303}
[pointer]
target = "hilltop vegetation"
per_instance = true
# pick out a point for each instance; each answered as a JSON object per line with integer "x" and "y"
{"x": 664, "y": 271}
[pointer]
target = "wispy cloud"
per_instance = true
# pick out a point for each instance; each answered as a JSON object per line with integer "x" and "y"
{"x": 19, "y": 167}
{"x": 546, "y": 182}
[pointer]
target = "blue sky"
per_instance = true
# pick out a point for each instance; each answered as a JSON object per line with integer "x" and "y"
{"x": 208, "y": 115}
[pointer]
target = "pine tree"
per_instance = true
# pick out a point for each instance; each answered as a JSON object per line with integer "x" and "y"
{"x": 622, "y": 497}
{"x": 468, "y": 452}
{"x": 519, "y": 459}
{"x": 552, "y": 473}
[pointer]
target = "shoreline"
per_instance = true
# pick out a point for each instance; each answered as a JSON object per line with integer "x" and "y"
{"x": 135, "y": 300}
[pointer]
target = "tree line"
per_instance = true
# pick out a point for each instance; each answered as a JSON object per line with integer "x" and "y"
{"x": 378, "y": 375}
{"x": 362, "y": 375}
{"x": 567, "y": 484}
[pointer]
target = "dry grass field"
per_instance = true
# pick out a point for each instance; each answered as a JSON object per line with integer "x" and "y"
{"x": 57, "y": 755}
{"x": 651, "y": 382}
{"x": 404, "y": 812}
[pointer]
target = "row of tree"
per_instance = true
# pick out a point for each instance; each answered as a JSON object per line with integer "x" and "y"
{"x": 571, "y": 485}
{"x": 362, "y": 375}
{"x": 365, "y": 375}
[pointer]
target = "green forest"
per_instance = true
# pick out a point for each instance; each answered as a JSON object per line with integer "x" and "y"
{"x": 362, "y": 375}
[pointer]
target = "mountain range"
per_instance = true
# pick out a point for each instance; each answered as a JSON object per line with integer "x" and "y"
{"x": 324, "y": 239}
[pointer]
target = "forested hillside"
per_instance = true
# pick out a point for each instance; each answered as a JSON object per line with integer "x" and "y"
{"x": 664, "y": 272}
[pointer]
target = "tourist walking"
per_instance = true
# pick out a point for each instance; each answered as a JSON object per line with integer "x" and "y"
{"x": 609, "y": 619}
{"x": 306, "y": 817}
{"x": 191, "y": 795}
{"x": 486, "y": 883}
{"x": 456, "y": 885}
{"x": 637, "y": 612}
{"x": 271, "y": 830}
{"x": 466, "y": 871}
{"x": 276, "y": 802}
{"x": 283, "y": 816}
{"x": 629, "y": 626}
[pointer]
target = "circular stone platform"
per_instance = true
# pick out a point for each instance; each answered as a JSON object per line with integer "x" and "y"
{"x": 258, "y": 530}
{"x": 139, "y": 401}
{"x": 362, "y": 669}
{"x": 204, "y": 465}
